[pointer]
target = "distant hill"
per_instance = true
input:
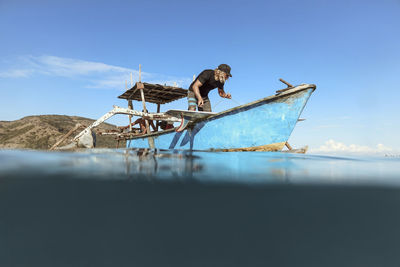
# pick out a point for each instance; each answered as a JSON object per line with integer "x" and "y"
{"x": 42, "y": 132}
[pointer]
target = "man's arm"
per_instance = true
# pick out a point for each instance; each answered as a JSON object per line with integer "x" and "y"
{"x": 196, "y": 91}
{"x": 222, "y": 93}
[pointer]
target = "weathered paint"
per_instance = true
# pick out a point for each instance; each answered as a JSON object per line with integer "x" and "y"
{"x": 266, "y": 122}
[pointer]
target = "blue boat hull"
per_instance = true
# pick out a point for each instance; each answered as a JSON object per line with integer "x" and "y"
{"x": 265, "y": 124}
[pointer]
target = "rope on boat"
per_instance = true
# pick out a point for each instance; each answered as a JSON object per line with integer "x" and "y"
{"x": 217, "y": 104}
{"x": 236, "y": 101}
{"x": 223, "y": 100}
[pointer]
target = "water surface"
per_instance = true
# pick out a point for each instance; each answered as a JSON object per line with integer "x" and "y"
{"x": 173, "y": 208}
{"x": 205, "y": 167}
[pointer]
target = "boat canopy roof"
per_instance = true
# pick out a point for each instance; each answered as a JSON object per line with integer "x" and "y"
{"x": 154, "y": 93}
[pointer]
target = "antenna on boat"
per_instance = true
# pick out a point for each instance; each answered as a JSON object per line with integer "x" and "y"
{"x": 140, "y": 86}
{"x": 140, "y": 73}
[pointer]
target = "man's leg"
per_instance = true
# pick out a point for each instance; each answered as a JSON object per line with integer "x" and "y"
{"x": 192, "y": 101}
{"x": 206, "y": 106}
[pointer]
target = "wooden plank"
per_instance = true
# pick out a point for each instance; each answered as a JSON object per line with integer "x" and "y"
{"x": 189, "y": 114}
{"x": 285, "y": 82}
{"x": 155, "y": 98}
{"x": 302, "y": 150}
{"x": 77, "y": 126}
{"x": 288, "y": 146}
{"x": 165, "y": 93}
{"x": 133, "y": 93}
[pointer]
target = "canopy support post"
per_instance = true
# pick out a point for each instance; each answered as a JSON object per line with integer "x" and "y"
{"x": 140, "y": 86}
{"x": 130, "y": 105}
{"x": 158, "y": 111}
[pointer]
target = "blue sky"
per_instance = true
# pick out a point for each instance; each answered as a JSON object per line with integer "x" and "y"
{"x": 73, "y": 58}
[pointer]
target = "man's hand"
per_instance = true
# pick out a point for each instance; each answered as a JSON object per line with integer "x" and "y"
{"x": 223, "y": 94}
{"x": 200, "y": 102}
{"x": 197, "y": 84}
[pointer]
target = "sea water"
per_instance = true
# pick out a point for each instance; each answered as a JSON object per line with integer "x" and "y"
{"x": 244, "y": 168}
{"x": 119, "y": 207}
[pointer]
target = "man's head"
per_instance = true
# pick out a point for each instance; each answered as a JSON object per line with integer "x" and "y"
{"x": 166, "y": 125}
{"x": 222, "y": 73}
{"x": 225, "y": 68}
{"x": 163, "y": 125}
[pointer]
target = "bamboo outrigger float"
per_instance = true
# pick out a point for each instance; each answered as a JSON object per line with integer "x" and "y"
{"x": 262, "y": 125}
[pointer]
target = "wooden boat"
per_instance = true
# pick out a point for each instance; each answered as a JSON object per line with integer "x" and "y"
{"x": 262, "y": 125}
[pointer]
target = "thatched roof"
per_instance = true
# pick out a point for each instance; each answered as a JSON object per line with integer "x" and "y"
{"x": 154, "y": 93}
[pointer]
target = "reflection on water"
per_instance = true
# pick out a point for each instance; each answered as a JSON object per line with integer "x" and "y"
{"x": 176, "y": 208}
{"x": 185, "y": 166}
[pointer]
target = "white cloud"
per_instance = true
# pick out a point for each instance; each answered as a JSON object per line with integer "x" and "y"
{"x": 112, "y": 81}
{"x": 73, "y": 67}
{"x": 95, "y": 74}
{"x": 16, "y": 73}
{"x": 332, "y": 146}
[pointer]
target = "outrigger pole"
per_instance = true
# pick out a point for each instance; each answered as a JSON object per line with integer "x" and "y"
{"x": 84, "y": 139}
{"x": 126, "y": 111}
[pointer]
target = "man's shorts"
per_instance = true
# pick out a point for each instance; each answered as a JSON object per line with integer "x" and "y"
{"x": 192, "y": 102}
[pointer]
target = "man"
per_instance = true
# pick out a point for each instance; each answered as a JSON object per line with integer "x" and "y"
{"x": 204, "y": 83}
{"x": 142, "y": 124}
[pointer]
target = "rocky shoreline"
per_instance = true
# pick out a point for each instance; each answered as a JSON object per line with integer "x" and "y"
{"x": 43, "y": 131}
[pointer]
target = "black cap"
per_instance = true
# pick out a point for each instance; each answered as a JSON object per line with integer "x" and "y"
{"x": 225, "y": 68}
